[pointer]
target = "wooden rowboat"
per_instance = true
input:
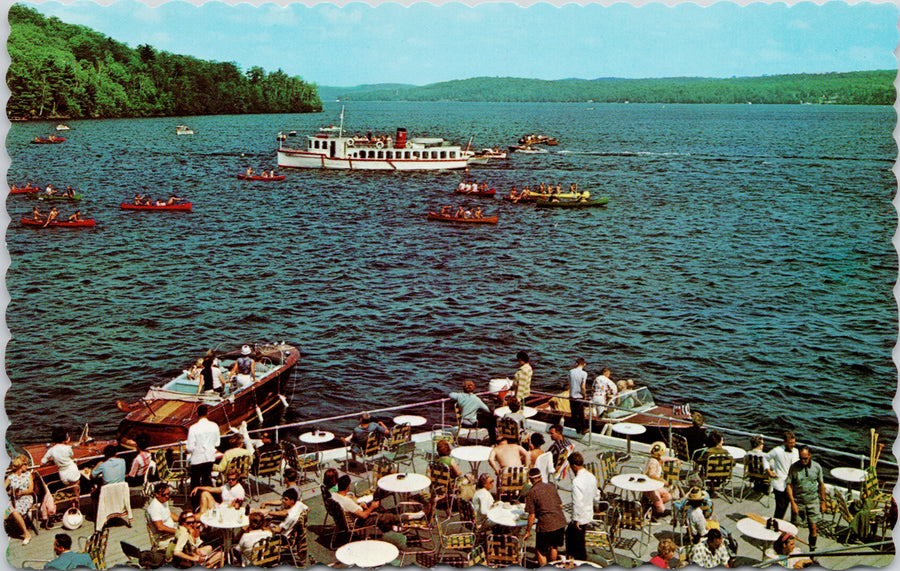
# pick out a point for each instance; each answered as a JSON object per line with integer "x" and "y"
{"x": 183, "y": 206}
{"x": 24, "y": 189}
{"x": 87, "y": 223}
{"x": 443, "y": 218}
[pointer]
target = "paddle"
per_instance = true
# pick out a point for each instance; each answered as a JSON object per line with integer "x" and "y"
{"x": 760, "y": 519}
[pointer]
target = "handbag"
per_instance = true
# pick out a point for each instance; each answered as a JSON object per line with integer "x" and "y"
{"x": 72, "y": 519}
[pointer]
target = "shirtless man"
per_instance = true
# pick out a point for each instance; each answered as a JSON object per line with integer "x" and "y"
{"x": 37, "y": 215}
{"x": 75, "y": 217}
{"x": 54, "y": 214}
{"x": 506, "y": 455}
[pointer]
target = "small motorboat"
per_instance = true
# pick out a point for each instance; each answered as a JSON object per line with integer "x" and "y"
{"x": 265, "y": 178}
{"x": 526, "y": 149}
{"x": 53, "y": 197}
{"x": 51, "y": 140}
{"x": 27, "y": 189}
{"x": 292, "y": 133}
{"x": 329, "y": 129}
{"x": 445, "y": 218}
{"x": 183, "y": 206}
{"x": 86, "y": 223}
{"x": 183, "y": 130}
{"x": 484, "y": 156}
{"x": 585, "y": 203}
{"x": 479, "y": 192}
{"x": 62, "y": 127}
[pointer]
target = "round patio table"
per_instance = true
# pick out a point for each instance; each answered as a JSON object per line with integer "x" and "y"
{"x": 410, "y": 419}
{"x": 736, "y": 452}
{"x": 629, "y": 429}
{"x": 404, "y": 483}
{"x": 752, "y": 528}
{"x": 527, "y": 411}
{"x": 474, "y": 455}
{"x": 508, "y": 515}
{"x": 369, "y": 553}
{"x": 228, "y": 520}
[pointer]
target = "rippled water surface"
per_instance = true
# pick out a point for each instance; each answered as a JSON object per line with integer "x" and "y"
{"x": 744, "y": 263}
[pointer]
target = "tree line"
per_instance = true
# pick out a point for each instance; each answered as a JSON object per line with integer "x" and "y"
{"x": 851, "y": 88}
{"x": 64, "y": 70}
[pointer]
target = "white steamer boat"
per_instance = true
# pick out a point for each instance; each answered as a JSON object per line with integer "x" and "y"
{"x": 330, "y": 151}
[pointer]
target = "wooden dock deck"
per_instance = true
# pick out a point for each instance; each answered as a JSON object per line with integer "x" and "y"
{"x": 727, "y": 513}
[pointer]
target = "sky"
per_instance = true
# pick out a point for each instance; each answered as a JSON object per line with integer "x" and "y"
{"x": 353, "y": 43}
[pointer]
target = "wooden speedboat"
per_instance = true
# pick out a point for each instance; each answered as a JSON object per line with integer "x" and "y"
{"x": 527, "y": 149}
{"x": 63, "y": 197}
{"x": 183, "y": 130}
{"x": 27, "y": 189}
{"x": 183, "y": 206}
{"x": 51, "y": 140}
{"x": 167, "y": 411}
{"x": 585, "y": 203}
{"x": 484, "y": 156}
{"x": 87, "y": 223}
{"x": 444, "y": 218}
{"x": 263, "y": 178}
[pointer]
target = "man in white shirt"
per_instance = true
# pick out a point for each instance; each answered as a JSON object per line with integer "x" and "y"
{"x": 584, "y": 491}
{"x": 578, "y": 390}
{"x": 295, "y": 508}
{"x": 158, "y": 511}
{"x": 780, "y": 460}
{"x": 604, "y": 390}
{"x": 202, "y": 440}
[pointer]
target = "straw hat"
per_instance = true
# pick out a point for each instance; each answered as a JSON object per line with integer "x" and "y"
{"x": 658, "y": 448}
{"x": 695, "y": 494}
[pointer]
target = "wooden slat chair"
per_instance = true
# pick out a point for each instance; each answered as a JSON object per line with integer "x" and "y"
{"x": 166, "y": 472}
{"x": 402, "y": 455}
{"x": 609, "y": 467}
{"x": 509, "y": 429}
{"x": 456, "y": 537}
{"x": 671, "y": 468}
{"x": 267, "y": 552}
{"x": 635, "y": 518}
{"x": 604, "y": 533}
{"x": 462, "y": 560}
{"x": 442, "y": 486}
{"x": 95, "y": 546}
{"x": 399, "y": 434}
{"x": 718, "y": 472}
{"x": 512, "y": 480}
{"x": 368, "y": 453}
{"x": 267, "y": 465}
{"x": 301, "y": 459}
{"x": 295, "y": 542}
{"x": 242, "y": 464}
{"x": 440, "y": 432}
{"x": 471, "y": 432}
{"x": 754, "y": 472}
{"x": 64, "y": 498}
{"x": 503, "y": 550}
{"x": 871, "y": 490}
{"x": 681, "y": 450}
{"x": 345, "y": 527}
{"x": 840, "y": 512}
{"x": 158, "y": 540}
{"x": 413, "y": 520}
{"x": 467, "y": 514}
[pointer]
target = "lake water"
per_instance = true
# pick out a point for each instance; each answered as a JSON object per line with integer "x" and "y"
{"x": 744, "y": 263}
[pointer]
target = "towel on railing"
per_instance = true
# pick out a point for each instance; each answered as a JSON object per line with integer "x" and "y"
{"x": 114, "y": 501}
{"x": 48, "y": 506}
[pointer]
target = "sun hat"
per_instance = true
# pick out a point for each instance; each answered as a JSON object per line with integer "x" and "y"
{"x": 658, "y": 447}
{"x": 245, "y": 350}
{"x": 695, "y": 494}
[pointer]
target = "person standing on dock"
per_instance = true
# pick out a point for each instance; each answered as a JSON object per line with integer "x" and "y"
{"x": 584, "y": 492}
{"x": 202, "y": 440}
{"x": 542, "y": 503}
{"x": 780, "y": 459}
{"x": 806, "y": 488}
{"x": 522, "y": 378}
{"x": 577, "y": 391}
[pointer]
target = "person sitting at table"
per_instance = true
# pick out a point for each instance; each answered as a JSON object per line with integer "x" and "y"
{"x": 231, "y": 493}
{"x": 712, "y": 552}
{"x": 515, "y": 412}
{"x": 716, "y": 439}
{"x": 507, "y": 455}
{"x": 160, "y": 515}
{"x": 474, "y": 412}
{"x": 756, "y": 449}
{"x": 141, "y": 462}
{"x": 293, "y": 510}
{"x": 360, "y": 436}
{"x": 654, "y": 470}
{"x": 444, "y": 457}
{"x": 235, "y": 449}
{"x": 365, "y": 516}
{"x": 786, "y": 545}
{"x": 255, "y": 532}
{"x": 483, "y": 500}
{"x": 188, "y": 549}
{"x": 665, "y": 555}
{"x": 291, "y": 482}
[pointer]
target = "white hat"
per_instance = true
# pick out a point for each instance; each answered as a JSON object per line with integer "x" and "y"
{"x": 72, "y": 519}
{"x": 245, "y": 350}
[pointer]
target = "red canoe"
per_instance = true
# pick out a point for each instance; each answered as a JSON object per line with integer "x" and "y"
{"x": 47, "y": 140}
{"x": 186, "y": 206}
{"x": 24, "y": 189}
{"x": 484, "y": 220}
{"x": 489, "y": 192}
{"x": 88, "y": 223}
{"x": 265, "y": 178}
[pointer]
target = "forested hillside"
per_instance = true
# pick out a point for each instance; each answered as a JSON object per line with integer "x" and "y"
{"x": 63, "y": 70}
{"x": 854, "y": 88}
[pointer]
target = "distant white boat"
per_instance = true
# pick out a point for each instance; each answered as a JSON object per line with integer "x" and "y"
{"x": 183, "y": 130}
{"x": 330, "y": 129}
{"x": 62, "y": 127}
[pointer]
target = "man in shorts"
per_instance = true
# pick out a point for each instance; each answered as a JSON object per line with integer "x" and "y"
{"x": 806, "y": 488}
{"x": 542, "y": 503}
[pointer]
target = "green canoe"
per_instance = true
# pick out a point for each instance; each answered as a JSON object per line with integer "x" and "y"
{"x": 572, "y": 203}
{"x": 58, "y": 197}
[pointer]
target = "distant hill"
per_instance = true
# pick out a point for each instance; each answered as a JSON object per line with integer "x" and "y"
{"x": 331, "y": 93}
{"x": 850, "y": 88}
